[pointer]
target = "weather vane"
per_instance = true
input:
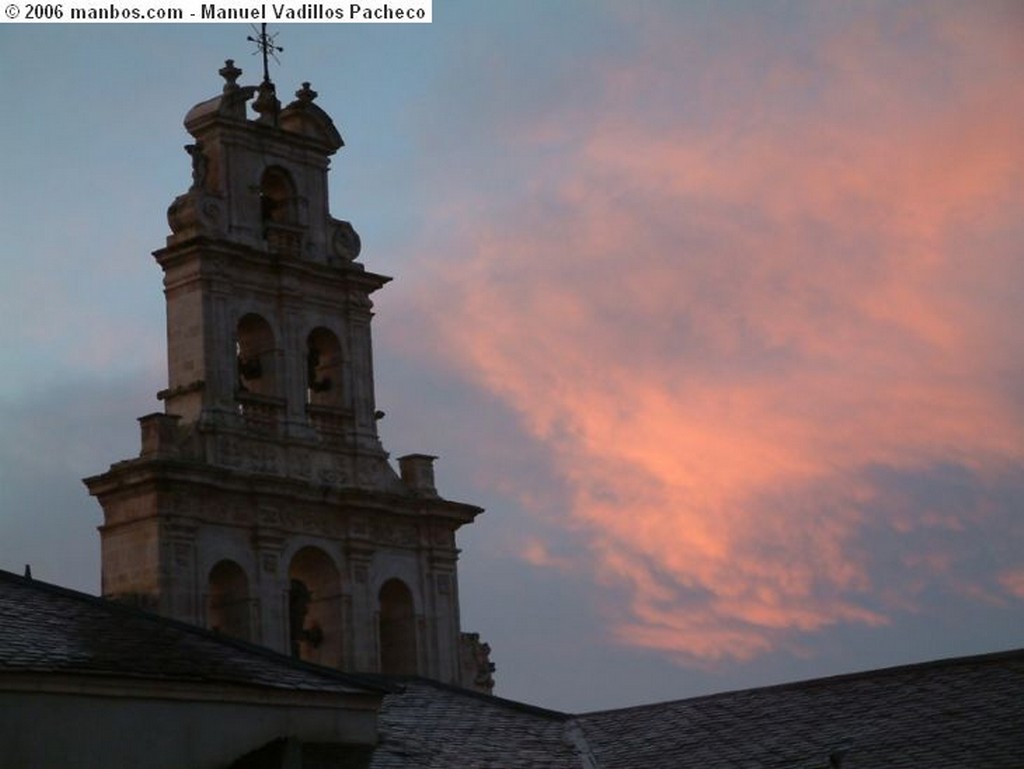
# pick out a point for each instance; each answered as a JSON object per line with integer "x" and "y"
{"x": 265, "y": 44}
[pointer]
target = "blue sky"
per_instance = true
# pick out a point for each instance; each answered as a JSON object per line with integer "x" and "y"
{"x": 713, "y": 306}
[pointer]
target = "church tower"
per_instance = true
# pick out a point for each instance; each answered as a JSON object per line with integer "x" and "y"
{"x": 262, "y": 504}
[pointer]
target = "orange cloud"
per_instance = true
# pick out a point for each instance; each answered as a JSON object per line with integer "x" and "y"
{"x": 722, "y": 320}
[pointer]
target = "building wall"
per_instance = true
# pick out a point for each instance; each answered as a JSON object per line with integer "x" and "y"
{"x": 64, "y": 730}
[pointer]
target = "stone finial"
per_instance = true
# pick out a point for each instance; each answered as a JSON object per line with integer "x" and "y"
{"x": 306, "y": 94}
{"x": 159, "y": 434}
{"x": 200, "y": 164}
{"x": 417, "y": 472}
{"x": 475, "y": 662}
{"x": 230, "y": 73}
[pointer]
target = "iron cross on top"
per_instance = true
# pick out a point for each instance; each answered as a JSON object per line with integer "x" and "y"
{"x": 265, "y": 44}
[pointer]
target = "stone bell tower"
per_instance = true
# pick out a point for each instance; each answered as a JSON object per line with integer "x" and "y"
{"x": 262, "y": 503}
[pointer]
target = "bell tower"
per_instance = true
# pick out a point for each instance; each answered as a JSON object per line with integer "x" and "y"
{"x": 262, "y": 503}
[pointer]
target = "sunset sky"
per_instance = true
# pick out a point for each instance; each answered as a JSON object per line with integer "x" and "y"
{"x": 717, "y": 308}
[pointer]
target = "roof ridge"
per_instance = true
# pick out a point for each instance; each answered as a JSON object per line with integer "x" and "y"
{"x": 524, "y": 707}
{"x": 942, "y": 662}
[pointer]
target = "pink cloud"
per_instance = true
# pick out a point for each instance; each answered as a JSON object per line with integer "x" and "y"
{"x": 720, "y": 316}
{"x": 1013, "y": 581}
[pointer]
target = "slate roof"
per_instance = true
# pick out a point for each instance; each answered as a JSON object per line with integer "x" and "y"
{"x": 430, "y": 725}
{"x": 46, "y": 628}
{"x": 965, "y": 713}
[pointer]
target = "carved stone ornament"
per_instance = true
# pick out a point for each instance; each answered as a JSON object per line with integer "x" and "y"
{"x": 249, "y": 454}
{"x": 345, "y": 241}
{"x": 393, "y": 533}
{"x": 200, "y": 164}
{"x": 195, "y": 213}
{"x": 268, "y": 516}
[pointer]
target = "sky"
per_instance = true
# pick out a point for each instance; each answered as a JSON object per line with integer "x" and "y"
{"x": 716, "y": 307}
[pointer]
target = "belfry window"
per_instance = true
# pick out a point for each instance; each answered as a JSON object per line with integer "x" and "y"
{"x": 277, "y": 197}
{"x": 228, "y": 604}
{"x": 323, "y": 368}
{"x": 279, "y": 212}
{"x": 254, "y": 351}
{"x": 314, "y": 607}
{"x": 397, "y": 629}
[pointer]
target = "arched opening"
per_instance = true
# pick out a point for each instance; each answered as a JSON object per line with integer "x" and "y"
{"x": 323, "y": 368}
{"x": 279, "y": 207}
{"x": 254, "y": 348}
{"x": 227, "y": 603}
{"x": 314, "y": 607}
{"x": 277, "y": 197}
{"x": 397, "y": 629}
